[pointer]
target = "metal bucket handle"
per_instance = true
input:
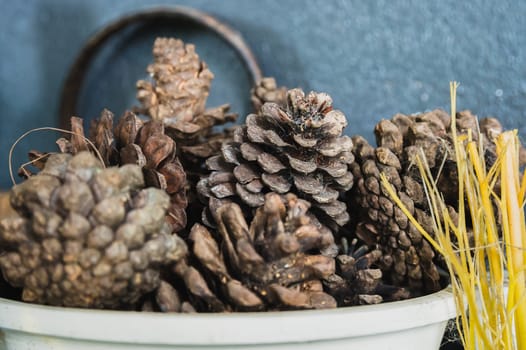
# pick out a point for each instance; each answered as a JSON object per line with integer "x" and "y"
{"x": 75, "y": 77}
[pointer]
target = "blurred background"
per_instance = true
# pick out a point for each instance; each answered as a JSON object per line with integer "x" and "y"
{"x": 375, "y": 58}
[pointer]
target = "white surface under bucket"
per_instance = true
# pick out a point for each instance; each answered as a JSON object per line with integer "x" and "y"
{"x": 415, "y": 324}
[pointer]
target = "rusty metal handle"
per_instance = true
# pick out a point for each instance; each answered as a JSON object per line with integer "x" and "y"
{"x": 75, "y": 77}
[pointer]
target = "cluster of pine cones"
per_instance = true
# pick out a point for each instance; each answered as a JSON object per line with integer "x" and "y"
{"x": 159, "y": 210}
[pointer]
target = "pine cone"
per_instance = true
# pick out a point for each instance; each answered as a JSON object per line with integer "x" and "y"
{"x": 298, "y": 149}
{"x": 266, "y": 90}
{"x": 182, "y": 82}
{"x": 133, "y": 141}
{"x": 275, "y": 263}
{"x": 177, "y": 97}
{"x": 87, "y": 236}
{"x": 407, "y": 259}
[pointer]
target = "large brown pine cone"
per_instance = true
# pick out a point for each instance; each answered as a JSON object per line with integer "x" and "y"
{"x": 407, "y": 259}
{"x": 266, "y": 90}
{"x": 133, "y": 141}
{"x": 298, "y": 148}
{"x": 275, "y": 263}
{"x": 87, "y": 236}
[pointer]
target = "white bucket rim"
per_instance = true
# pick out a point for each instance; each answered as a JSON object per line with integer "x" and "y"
{"x": 226, "y": 329}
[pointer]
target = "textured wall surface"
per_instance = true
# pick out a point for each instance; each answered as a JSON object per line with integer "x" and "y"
{"x": 375, "y": 58}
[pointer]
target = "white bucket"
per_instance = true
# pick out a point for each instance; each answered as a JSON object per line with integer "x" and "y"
{"x": 410, "y": 324}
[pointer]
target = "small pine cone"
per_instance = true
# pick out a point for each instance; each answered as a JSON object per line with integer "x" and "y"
{"x": 177, "y": 97}
{"x": 407, "y": 258}
{"x": 182, "y": 82}
{"x": 358, "y": 280}
{"x": 133, "y": 141}
{"x": 298, "y": 149}
{"x": 276, "y": 263}
{"x": 266, "y": 90}
{"x": 87, "y": 236}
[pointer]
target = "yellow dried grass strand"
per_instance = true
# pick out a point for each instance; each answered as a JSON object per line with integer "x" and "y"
{"x": 512, "y": 205}
{"x": 485, "y": 220}
{"x": 469, "y": 289}
{"x": 451, "y": 259}
{"x": 509, "y": 305}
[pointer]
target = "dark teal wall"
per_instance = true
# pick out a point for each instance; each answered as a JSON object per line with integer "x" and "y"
{"x": 375, "y": 58}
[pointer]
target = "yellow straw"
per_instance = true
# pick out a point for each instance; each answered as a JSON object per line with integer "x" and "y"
{"x": 477, "y": 257}
{"x": 517, "y": 234}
